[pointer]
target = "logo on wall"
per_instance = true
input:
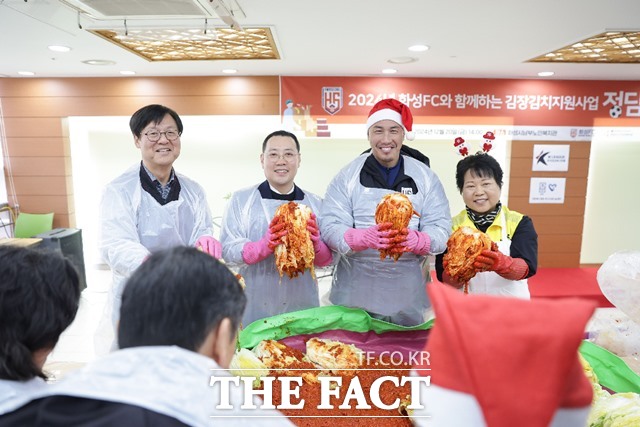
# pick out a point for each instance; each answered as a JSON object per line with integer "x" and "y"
{"x": 541, "y": 158}
{"x": 332, "y": 99}
{"x": 551, "y": 157}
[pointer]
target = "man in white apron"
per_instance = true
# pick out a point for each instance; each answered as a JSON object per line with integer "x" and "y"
{"x": 390, "y": 290}
{"x": 505, "y": 271}
{"x": 180, "y": 314}
{"x": 249, "y": 238}
{"x": 150, "y": 207}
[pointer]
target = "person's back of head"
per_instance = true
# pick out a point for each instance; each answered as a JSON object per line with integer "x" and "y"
{"x": 39, "y": 298}
{"x": 179, "y": 297}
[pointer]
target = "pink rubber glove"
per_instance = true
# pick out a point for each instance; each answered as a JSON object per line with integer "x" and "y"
{"x": 254, "y": 252}
{"x": 415, "y": 241}
{"x": 377, "y": 236}
{"x": 209, "y": 245}
{"x": 323, "y": 253}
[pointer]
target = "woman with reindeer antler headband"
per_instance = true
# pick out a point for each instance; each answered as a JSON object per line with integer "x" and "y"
{"x": 504, "y": 269}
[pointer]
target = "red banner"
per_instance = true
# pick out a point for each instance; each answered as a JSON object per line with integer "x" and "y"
{"x": 518, "y": 102}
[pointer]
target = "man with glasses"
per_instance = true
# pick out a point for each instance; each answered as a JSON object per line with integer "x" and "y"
{"x": 249, "y": 234}
{"x": 151, "y": 207}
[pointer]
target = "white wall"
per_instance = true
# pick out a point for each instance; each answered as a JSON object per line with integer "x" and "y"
{"x": 613, "y": 199}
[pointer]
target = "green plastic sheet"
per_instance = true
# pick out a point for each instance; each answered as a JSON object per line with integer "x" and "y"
{"x": 612, "y": 372}
{"x": 315, "y": 320}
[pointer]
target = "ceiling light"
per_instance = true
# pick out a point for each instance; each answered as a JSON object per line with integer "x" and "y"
{"x": 402, "y": 60}
{"x": 59, "y": 48}
{"x": 389, "y": 71}
{"x": 419, "y": 48}
{"x": 128, "y": 73}
{"x": 26, "y": 73}
{"x": 546, "y": 73}
{"x": 229, "y": 71}
{"x": 98, "y": 62}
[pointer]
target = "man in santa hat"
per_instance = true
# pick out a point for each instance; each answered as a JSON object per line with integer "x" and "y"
{"x": 390, "y": 290}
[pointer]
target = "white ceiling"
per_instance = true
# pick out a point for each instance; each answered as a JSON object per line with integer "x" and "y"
{"x": 468, "y": 39}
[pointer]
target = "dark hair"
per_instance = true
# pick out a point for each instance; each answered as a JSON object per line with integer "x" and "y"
{"x": 280, "y": 133}
{"x": 39, "y": 297}
{"x": 177, "y": 297}
{"x": 153, "y": 113}
{"x": 481, "y": 164}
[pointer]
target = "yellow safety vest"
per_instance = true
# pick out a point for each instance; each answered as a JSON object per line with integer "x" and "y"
{"x": 494, "y": 231}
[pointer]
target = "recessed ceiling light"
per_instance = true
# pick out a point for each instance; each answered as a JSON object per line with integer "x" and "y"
{"x": 59, "y": 48}
{"x": 98, "y": 62}
{"x": 229, "y": 71}
{"x": 419, "y": 48}
{"x": 26, "y": 73}
{"x": 389, "y": 71}
{"x": 546, "y": 73}
{"x": 402, "y": 60}
{"x": 127, "y": 73}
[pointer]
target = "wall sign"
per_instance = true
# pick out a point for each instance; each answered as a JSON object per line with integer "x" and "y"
{"x": 547, "y": 190}
{"x": 553, "y": 158}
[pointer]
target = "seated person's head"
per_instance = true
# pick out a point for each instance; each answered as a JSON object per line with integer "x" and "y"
{"x": 186, "y": 298}
{"x": 39, "y": 297}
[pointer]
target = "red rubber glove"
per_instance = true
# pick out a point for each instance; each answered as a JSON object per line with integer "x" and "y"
{"x": 209, "y": 245}
{"x": 505, "y": 266}
{"x": 448, "y": 279}
{"x": 377, "y": 236}
{"x": 323, "y": 253}
{"x": 412, "y": 241}
{"x": 254, "y": 252}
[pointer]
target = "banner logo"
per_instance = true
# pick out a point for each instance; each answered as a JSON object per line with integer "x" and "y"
{"x": 332, "y": 99}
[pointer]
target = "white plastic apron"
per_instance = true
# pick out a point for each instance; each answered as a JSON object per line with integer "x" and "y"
{"x": 491, "y": 283}
{"x": 166, "y": 380}
{"x": 393, "y": 291}
{"x": 153, "y": 237}
{"x": 14, "y": 394}
{"x": 174, "y": 219}
{"x": 268, "y": 294}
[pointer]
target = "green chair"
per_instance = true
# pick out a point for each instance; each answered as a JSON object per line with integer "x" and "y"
{"x": 28, "y": 225}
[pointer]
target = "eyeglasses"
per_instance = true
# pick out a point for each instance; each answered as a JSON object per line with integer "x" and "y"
{"x": 288, "y": 156}
{"x": 154, "y": 135}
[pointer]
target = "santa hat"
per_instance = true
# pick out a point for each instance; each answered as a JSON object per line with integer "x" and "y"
{"x": 392, "y": 109}
{"x": 500, "y": 362}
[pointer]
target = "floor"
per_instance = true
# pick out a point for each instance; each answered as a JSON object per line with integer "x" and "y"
{"x": 76, "y": 345}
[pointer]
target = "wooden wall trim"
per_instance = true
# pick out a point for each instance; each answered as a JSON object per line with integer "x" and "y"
{"x": 36, "y": 111}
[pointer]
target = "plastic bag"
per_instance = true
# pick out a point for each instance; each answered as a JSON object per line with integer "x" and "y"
{"x": 619, "y": 281}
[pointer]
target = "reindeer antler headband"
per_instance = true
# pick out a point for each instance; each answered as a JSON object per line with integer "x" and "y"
{"x": 460, "y": 144}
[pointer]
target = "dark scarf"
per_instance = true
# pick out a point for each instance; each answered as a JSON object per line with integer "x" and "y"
{"x": 267, "y": 193}
{"x": 483, "y": 221}
{"x": 151, "y": 187}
